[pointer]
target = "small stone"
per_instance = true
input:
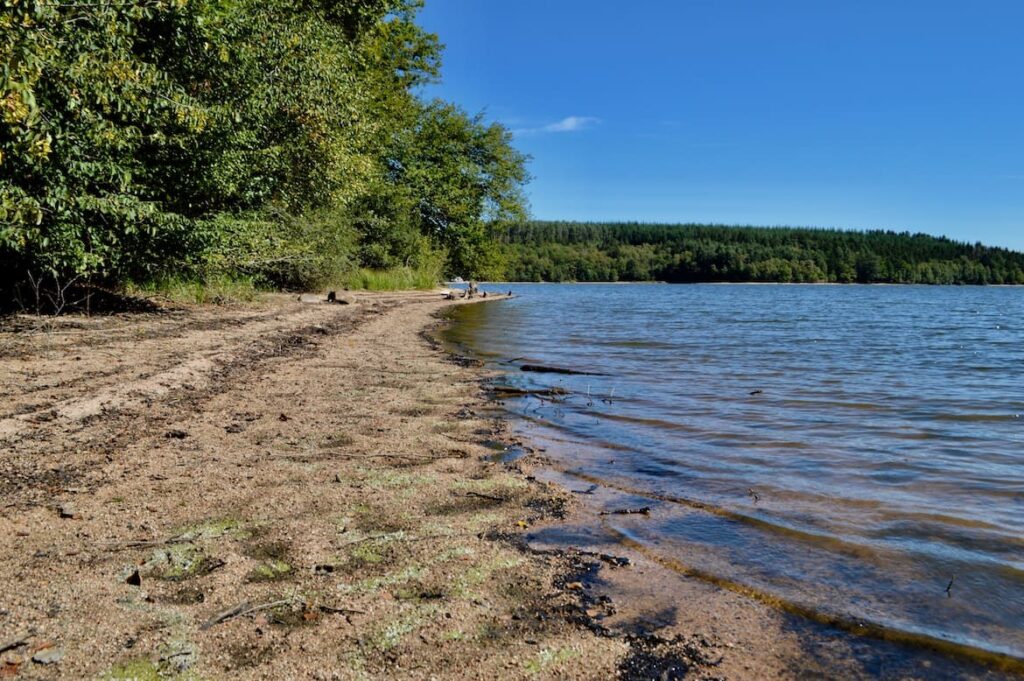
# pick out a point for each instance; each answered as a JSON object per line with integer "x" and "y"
{"x": 574, "y": 586}
{"x": 48, "y": 656}
{"x": 67, "y": 511}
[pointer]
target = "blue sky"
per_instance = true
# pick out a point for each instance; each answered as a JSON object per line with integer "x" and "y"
{"x": 903, "y": 114}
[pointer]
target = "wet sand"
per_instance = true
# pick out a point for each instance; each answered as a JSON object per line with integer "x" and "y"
{"x": 286, "y": 490}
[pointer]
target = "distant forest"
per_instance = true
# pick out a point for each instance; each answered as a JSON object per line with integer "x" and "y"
{"x": 588, "y": 252}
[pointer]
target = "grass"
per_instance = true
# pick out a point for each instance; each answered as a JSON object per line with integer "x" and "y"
{"x": 395, "y": 279}
{"x": 223, "y": 289}
{"x": 214, "y": 289}
{"x": 270, "y": 571}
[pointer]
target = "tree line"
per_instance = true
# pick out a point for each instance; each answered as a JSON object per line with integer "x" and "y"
{"x": 589, "y": 251}
{"x": 283, "y": 140}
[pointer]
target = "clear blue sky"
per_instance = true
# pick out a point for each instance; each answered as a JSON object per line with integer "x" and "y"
{"x": 904, "y": 114}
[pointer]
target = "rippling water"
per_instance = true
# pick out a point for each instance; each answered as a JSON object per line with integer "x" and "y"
{"x": 844, "y": 450}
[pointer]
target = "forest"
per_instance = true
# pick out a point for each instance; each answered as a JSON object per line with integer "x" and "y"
{"x": 593, "y": 251}
{"x": 283, "y": 142}
{"x": 287, "y": 144}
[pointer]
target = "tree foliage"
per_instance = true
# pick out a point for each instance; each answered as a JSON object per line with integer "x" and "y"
{"x": 280, "y": 138}
{"x": 574, "y": 251}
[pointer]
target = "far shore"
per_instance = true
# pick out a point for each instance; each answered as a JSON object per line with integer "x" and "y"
{"x": 741, "y": 283}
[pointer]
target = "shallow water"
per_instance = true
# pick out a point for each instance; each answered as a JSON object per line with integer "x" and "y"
{"x": 846, "y": 451}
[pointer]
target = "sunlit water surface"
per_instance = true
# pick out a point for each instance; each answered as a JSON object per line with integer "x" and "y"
{"x": 845, "y": 449}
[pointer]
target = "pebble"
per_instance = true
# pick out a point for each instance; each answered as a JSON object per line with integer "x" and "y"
{"x": 67, "y": 511}
{"x": 48, "y": 656}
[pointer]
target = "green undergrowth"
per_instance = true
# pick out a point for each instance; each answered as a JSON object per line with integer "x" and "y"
{"x": 225, "y": 289}
{"x": 394, "y": 279}
{"x": 217, "y": 289}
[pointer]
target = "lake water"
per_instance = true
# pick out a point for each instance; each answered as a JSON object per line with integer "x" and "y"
{"x": 843, "y": 451}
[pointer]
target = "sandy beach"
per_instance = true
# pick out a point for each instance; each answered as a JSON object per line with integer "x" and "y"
{"x": 287, "y": 490}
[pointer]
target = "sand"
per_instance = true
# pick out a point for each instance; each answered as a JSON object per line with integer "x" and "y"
{"x": 286, "y": 490}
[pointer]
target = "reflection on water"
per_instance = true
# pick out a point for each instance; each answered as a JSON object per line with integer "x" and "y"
{"x": 847, "y": 450}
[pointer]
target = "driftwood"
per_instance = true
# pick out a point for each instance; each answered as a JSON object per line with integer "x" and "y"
{"x": 507, "y": 391}
{"x": 614, "y": 561}
{"x": 644, "y": 510}
{"x": 545, "y": 369}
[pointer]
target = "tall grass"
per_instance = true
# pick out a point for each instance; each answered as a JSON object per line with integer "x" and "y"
{"x": 214, "y": 289}
{"x": 394, "y": 279}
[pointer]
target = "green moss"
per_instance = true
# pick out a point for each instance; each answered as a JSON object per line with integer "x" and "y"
{"x": 270, "y": 571}
{"x": 491, "y": 485}
{"x": 463, "y": 584}
{"x": 549, "y": 658}
{"x": 374, "y": 583}
{"x": 367, "y": 553}
{"x": 384, "y": 478}
{"x": 392, "y": 633}
{"x": 214, "y": 529}
{"x": 136, "y": 670}
{"x": 146, "y": 670}
{"x": 179, "y": 562}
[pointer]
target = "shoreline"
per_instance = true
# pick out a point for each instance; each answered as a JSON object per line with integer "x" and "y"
{"x": 855, "y": 646}
{"x": 313, "y": 491}
{"x": 284, "y": 491}
{"x": 743, "y": 283}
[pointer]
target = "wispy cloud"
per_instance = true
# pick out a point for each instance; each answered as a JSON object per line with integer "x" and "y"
{"x": 567, "y": 124}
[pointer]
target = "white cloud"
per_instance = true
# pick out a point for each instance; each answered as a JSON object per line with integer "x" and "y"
{"x": 567, "y": 124}
{"x": 572, "y": 124}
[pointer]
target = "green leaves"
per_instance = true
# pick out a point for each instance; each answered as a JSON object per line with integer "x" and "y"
{"x": 156, "y": 135}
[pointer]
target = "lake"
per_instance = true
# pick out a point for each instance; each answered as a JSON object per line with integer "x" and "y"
{"x": 850, "y": 452}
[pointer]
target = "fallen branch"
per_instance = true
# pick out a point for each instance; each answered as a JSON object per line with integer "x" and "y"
{"x": 414, "y": 457}
{"x": 241, "y": 610}
{"x": 506, "y": 391}
{"x": 485, "y": 496}
{"x": 330, "y": 609}
{"x": 645, "y": 510}
{"x": 13, "y": 643}
{"x": 544, "y": 369}
{"x": 146, "y": 543}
